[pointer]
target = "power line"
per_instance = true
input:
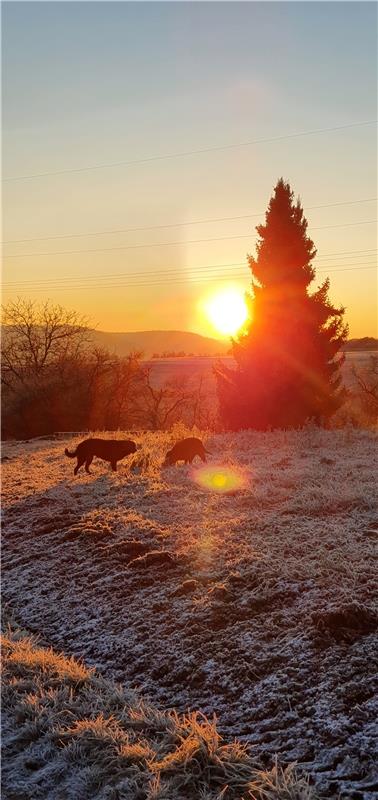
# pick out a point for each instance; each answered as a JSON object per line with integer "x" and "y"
{"x": 201, "y": 151}
{"x": 335, "y": 253}
{"x": 139, "y": 273}
{"x": 321, "y": 260}
{"x": 159, "y": 283}
{"x": 174, "y": 224}
{"x": 172, "y": 244}
{"x": 332, "y": 256}
{"x": 173, "y": 280}
{"x": 154, "y": 273}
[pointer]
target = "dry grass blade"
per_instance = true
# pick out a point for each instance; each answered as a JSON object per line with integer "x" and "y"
{"x": 79, "y": 736}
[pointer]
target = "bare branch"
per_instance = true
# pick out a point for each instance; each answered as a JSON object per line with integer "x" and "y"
{"x": 36, "y": 336}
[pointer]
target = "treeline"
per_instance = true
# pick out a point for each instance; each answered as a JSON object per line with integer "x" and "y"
{"x": 172, "y": 354}
{"x": 364, "y": 344}
{"x": 182, "y": 354}
{"x": 54, "y": 380}
{"x": 287, "y": 368}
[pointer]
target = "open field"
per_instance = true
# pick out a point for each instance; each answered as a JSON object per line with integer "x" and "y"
{"x": 164, "y": 369}
{"x": 257, "y": 606}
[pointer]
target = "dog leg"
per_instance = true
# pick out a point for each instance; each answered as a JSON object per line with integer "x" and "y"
{"x": 88, "y": 464}
{"x": 79, "y": 464}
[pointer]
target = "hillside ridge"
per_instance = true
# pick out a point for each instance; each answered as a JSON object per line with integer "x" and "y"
{"x": 160, "y": 341}
{"x": 152, "y": 342}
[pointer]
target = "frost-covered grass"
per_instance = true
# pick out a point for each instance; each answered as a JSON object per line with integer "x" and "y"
{"x": 69, "y": 733}
{"x": 258, "y": 605}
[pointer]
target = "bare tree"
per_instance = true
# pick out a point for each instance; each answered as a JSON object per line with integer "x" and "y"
{"x": 36, "y": 336}
{"x": 162, "y": 404}
{"x": 54, "y": 380}
{"x": 367, "y": 381}
{"x": 120, "y": 391}
{"x": 203, "y": 406}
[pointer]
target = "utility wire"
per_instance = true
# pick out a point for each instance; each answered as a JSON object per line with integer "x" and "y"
{"x": 169, "y": 271}
{"x": 167, "y": 156}
{"x": 191, "y": 278}
{"x": 139, "y": 273}
{"x": 173, "y": 244}
{"x": 173, "y": 224}
{"x": 332, "y": 256}
{"x": 157, "y": 283}
{"x": 327, "y": 259}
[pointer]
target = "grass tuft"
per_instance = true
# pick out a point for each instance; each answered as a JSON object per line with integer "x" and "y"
{"x": 280, "y": 784}
{"x": 69, "y": 733}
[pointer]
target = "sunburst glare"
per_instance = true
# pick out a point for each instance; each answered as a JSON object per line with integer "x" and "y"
{"x": 227, "y": 311}
{"x": 219, "y": 479}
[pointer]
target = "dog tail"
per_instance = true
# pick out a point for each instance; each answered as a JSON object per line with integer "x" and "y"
{"x": 70, "y": 455}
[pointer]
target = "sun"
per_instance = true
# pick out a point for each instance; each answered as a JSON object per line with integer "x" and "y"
{"x": 227, "y": 311}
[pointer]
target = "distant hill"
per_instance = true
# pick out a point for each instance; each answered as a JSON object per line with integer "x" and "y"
{"x": 366, "y": 343}
{"x": 185, "y": 342}
{"x": 179, "y": 343}
{"x": 159, "y": 342}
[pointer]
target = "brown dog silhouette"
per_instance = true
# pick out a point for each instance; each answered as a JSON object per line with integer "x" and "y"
{"x": 185, "y": 450}
{"x": 111, "y": 450}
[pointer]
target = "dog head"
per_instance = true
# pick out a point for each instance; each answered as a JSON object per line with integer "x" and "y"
{"x": 129, "y": 447}
{"x": 168, "y": 461}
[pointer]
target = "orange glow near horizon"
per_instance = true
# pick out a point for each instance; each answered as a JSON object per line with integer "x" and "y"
{"x": 226, "y": 310}
{"x": 219, "y": 479}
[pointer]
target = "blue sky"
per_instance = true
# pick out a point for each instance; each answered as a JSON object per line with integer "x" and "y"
{"x": 91, "y": 83}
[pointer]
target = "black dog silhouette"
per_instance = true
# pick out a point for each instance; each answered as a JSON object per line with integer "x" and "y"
{"x": 111, "y": 450}
{"x": 185, "y": 450}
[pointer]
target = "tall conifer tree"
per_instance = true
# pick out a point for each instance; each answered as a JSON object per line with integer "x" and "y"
{"x": 287, "y": 365}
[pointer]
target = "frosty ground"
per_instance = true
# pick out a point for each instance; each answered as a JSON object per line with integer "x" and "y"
{"x": 257, "y": 605}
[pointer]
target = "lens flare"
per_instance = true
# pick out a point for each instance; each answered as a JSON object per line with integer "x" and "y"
{"x": 219, "y": 479}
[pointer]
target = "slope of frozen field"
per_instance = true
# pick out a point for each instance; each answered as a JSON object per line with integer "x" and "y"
{"x": 68, "y": 734}
{"x": 256, "y": 605}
